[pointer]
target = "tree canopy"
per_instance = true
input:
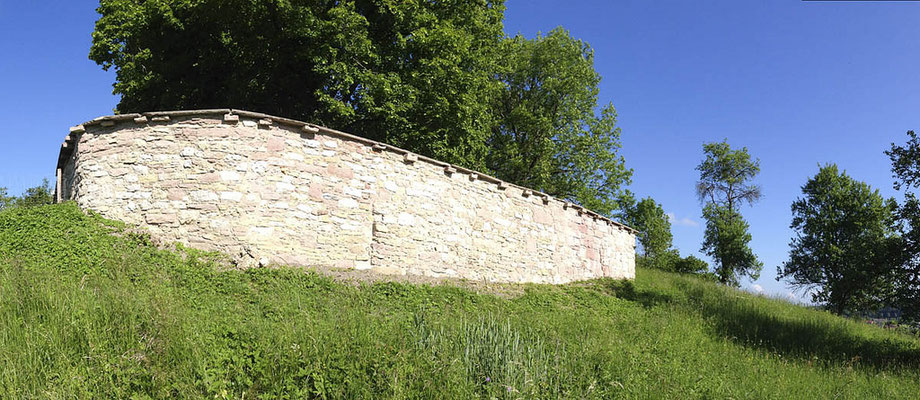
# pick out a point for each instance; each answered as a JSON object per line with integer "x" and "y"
{"x": 844, "y": 245}
{"x": 905, "y": 165}
{"x": 649, "y": 219}
{"x": 546, "y": 133}
{"x": 32, "y": 197}
{"x": 724, "y": 185}
{"x": 411, "y": 73}
{"x": 437, "y": 78}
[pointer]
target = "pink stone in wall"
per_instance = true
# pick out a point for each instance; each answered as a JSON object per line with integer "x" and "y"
{"x": 175, "y": 194}
{"x": 275, "y": 144}
{"x": 592, "y": 254}
{"x": 341, "y": 172}
{"x": 541, "y": 216}
{"x": 209, "y": 178}
{"x": 531, "y": 245}
{"x": 316, "y": 191}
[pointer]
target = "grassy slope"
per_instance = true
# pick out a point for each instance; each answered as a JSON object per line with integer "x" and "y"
{"x": 84, "y": 313}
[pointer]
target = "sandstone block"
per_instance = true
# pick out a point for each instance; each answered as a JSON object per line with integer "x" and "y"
{"x": 157, "y": 219}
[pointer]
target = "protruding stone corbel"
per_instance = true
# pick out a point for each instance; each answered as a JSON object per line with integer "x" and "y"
{"x": 526, "y": 193}
{"x": 231, "y": 118}
{"x": 265, "y": 123}
{"x": 450, "y": 170}
{"x": 160, "y": 118}
{"x": 75, "y": 130}
{"x": 410, "y": 158}
{"x": 140, "y": 120}
{"x": 545, "y": 199}
{"x": 474, "y": 177}
{"x": 502, "y": 185}
{"x": 378, "y": 147}
{"x": 310, "y": 129}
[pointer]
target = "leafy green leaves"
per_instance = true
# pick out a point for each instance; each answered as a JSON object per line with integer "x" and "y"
{"x": 437, "y": 78}
{"x": 415, "y": 74}
{"x": 547, "y": 135}
{"x": 844, "y": 246}
{"x": 654, "y": 228}
{"x": 727, "y": 241}
{"x": 723, "y": 187}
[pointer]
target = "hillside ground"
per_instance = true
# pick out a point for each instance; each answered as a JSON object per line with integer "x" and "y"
{"x": 90, "y": 309}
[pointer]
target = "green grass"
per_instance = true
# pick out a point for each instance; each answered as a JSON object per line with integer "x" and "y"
{"x": 90, "y": 310}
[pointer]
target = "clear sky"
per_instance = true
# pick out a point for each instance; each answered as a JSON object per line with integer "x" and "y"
{"x": 797, "y": 83}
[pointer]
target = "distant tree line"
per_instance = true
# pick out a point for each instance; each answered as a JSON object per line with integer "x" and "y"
{"x": 33, "y": 196}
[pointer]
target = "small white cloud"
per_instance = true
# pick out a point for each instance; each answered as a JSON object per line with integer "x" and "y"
{"x": 685, "y": 221}
{"x": 757, "y": 288}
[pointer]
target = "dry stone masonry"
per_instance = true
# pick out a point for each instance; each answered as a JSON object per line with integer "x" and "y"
{"x": 272, "y": 190}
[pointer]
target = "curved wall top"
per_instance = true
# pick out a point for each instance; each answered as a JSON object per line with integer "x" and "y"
{"x": 274, "y": 190}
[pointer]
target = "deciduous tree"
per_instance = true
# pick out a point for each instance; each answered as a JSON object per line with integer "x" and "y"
{"x": 905, "y": 165}
{"x": 725, "y": 185}
{"x": 844, "y": 245}
{"x": 654, "y": 228}
{"x": 414, "y": 73}
{"x": 547, "y": 133}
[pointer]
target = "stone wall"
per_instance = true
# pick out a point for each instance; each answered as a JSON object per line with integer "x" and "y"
{"x": 272, "y": 190}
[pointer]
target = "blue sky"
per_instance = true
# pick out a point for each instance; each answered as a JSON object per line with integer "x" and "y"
{"x": 798, "y": 83}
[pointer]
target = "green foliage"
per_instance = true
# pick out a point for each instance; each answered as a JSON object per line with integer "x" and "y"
{"x": 690, "y": 265}
{"x": 648, "y": 217}
{"x": 437, "y": 78}
{"x": 725, "y": 175}
{"x": 905, "y": 165}
{"x": 671, "y": 261}
{"x": 5, "y": 199}
{"x": 655, "y": 239}
{"x": 119, "y": 318}
{"x": 844, "y": 246}
{"x": 727, "y": 241}
{"x": 547, "y": 135}
{"x": 723, "y": 187}
{"x": 417, "y": 74}
{"x": 33, "y": 196}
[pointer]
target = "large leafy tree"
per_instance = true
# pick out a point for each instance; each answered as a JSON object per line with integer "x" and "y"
{"x": 654, "y": 228}
{"x": 905, "y": 165}
{"x": 413, "y": 73}
{"x": 549, "y": 133}
{"x": 724, "y": 186}
{"x": 844, "y": 244}
{"x": 438, "y": 78}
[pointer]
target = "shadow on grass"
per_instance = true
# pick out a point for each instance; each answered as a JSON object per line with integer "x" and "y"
{"x": 806, "y": 337}
{"x": 626, "y": 290}
{"x": 755, "y": 322}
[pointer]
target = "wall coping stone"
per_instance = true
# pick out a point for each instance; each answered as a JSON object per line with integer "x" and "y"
{"x": 232, "y": 116}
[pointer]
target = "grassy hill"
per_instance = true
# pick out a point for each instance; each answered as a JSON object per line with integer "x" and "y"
{"x": 89, "y": 309}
